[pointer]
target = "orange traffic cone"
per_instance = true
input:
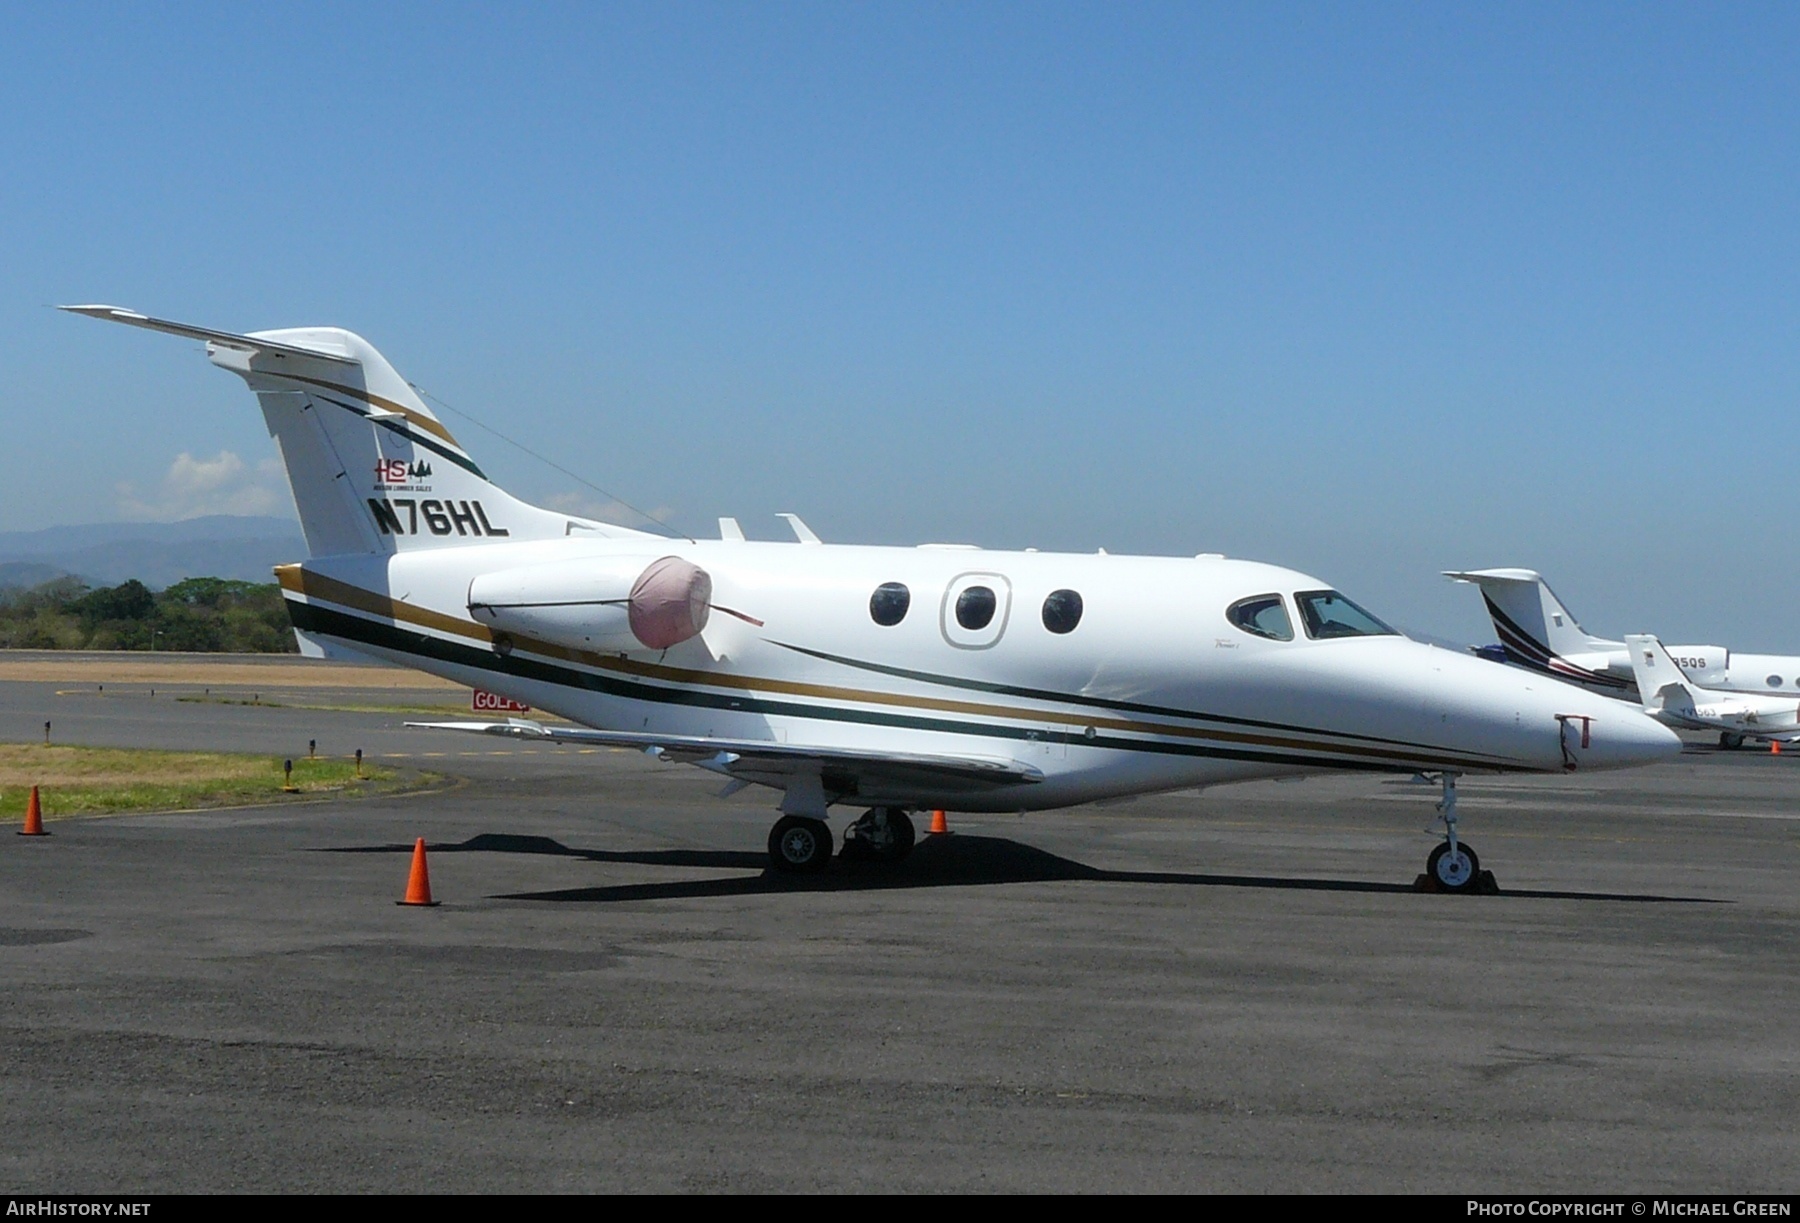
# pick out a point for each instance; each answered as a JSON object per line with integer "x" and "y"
{"x": 940, "y": 827}
{"x": 1774, "y": 747}
{"x": 418, "y": 887}
{"x": 34, "y": 817}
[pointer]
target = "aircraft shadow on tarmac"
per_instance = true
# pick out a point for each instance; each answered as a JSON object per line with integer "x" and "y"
{"x": 960, "y": 860}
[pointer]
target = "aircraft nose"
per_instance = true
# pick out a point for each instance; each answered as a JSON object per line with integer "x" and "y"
{"x": 1617, "y": 738}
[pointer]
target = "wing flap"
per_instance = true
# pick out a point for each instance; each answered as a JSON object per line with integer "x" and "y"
{"x": 850, "y": 770}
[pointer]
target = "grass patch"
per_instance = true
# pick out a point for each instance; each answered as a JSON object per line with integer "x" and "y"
{"x": 321, "y": 705}
{"x": 112, "y": 781}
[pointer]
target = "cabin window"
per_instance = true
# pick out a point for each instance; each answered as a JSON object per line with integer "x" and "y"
{"x": 1328, "y": 614}
{"x": 887, "y": 606}
{"x": 1774, "y": 681}
{"x": 1062, "y": 611}
{"x": 975, "y": 607}
{"x": 1262, "y": 616}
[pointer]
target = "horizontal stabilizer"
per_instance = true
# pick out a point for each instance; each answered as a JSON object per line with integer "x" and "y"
{"x": 244, "y": 343}
{"x": 1672, "y": 698}
{"x": 372, "y": 468}
{"x": 1476, "y": 577}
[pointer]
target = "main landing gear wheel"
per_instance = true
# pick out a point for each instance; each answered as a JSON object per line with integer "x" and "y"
{"x": 1457, "y": 871}
{"x": 1729, "y": 741}
{"x": 799, "y": 845}
{"x": 883, "y": 834}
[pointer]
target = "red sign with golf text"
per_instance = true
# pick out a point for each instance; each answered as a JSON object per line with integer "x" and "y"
{"x": 490, "y": 702}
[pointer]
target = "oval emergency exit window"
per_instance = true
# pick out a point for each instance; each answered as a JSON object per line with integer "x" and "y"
{"x": 975, "y": 607}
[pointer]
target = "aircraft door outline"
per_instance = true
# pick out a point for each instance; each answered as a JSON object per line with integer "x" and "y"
{"x": 975, "y": 610}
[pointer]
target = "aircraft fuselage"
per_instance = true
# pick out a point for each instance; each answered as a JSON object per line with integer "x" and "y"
{"x": 1152, "y": 689}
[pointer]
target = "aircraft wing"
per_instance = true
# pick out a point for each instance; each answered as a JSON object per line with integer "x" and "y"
{"x": 864, "y": 773}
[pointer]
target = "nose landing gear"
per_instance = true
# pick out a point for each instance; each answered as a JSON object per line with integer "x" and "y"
{"x": 1453, "y": 866}
{"x": 1452, "y": 870}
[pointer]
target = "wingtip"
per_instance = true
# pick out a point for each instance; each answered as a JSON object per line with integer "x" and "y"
{"x": 102, "y": 311}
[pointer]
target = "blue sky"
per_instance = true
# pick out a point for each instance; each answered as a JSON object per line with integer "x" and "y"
{"x": 1370, "y": 290}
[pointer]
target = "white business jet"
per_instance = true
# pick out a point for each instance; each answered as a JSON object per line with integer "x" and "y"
{"x": 892, "y": 680}
{"x": 1538, "y": 633}
{"x": 1673, "y": 699}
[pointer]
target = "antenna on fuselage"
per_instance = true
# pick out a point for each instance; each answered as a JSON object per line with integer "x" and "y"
{"x": 802, "y": 532}
{"x": 551, "y": 463}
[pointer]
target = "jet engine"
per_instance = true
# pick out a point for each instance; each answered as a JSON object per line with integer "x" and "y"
{"x": 610, "y": 604}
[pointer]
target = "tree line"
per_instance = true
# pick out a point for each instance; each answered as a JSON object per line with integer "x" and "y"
{"x": 196, "y": 614}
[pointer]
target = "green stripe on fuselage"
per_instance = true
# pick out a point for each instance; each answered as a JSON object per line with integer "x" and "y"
{"x": 314, "y": 618}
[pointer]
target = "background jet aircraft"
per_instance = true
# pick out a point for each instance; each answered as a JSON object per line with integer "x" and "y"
{"x": 889, "y": 679}
{"x": 1674, "y": 700}
{"x": 1538, "y": 633}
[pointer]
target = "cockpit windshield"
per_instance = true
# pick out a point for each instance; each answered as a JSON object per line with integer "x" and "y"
{"x": 1263, "y": 615}
{"x": 1328, "y": 614}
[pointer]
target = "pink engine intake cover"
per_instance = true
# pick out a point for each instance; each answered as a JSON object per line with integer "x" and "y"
{"x": 670, "y": 602}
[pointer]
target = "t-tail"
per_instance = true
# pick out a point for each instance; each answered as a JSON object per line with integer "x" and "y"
{"x": 1663, "y": 686}
{"x": 1537, "y": 632}
{"x": 372, "y": 469}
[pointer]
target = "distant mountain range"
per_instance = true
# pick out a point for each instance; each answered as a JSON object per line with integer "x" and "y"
{"x": 158, "y": 554}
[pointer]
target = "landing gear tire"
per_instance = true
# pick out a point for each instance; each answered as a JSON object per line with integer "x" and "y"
{"x": 884, "y": 834}
{"x": 799, "y": 845}
{"x": 1730, "y": 742}
{"x": 1458, "y": 872}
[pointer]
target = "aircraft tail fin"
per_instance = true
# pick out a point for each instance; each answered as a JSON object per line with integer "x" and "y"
{"x": 1661, "y": 684}
{"x": 1533, "y": 624}
{"x": 371, "y": 467}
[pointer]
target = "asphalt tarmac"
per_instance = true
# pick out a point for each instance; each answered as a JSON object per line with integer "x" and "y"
{"x": 1234, "y": 990}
